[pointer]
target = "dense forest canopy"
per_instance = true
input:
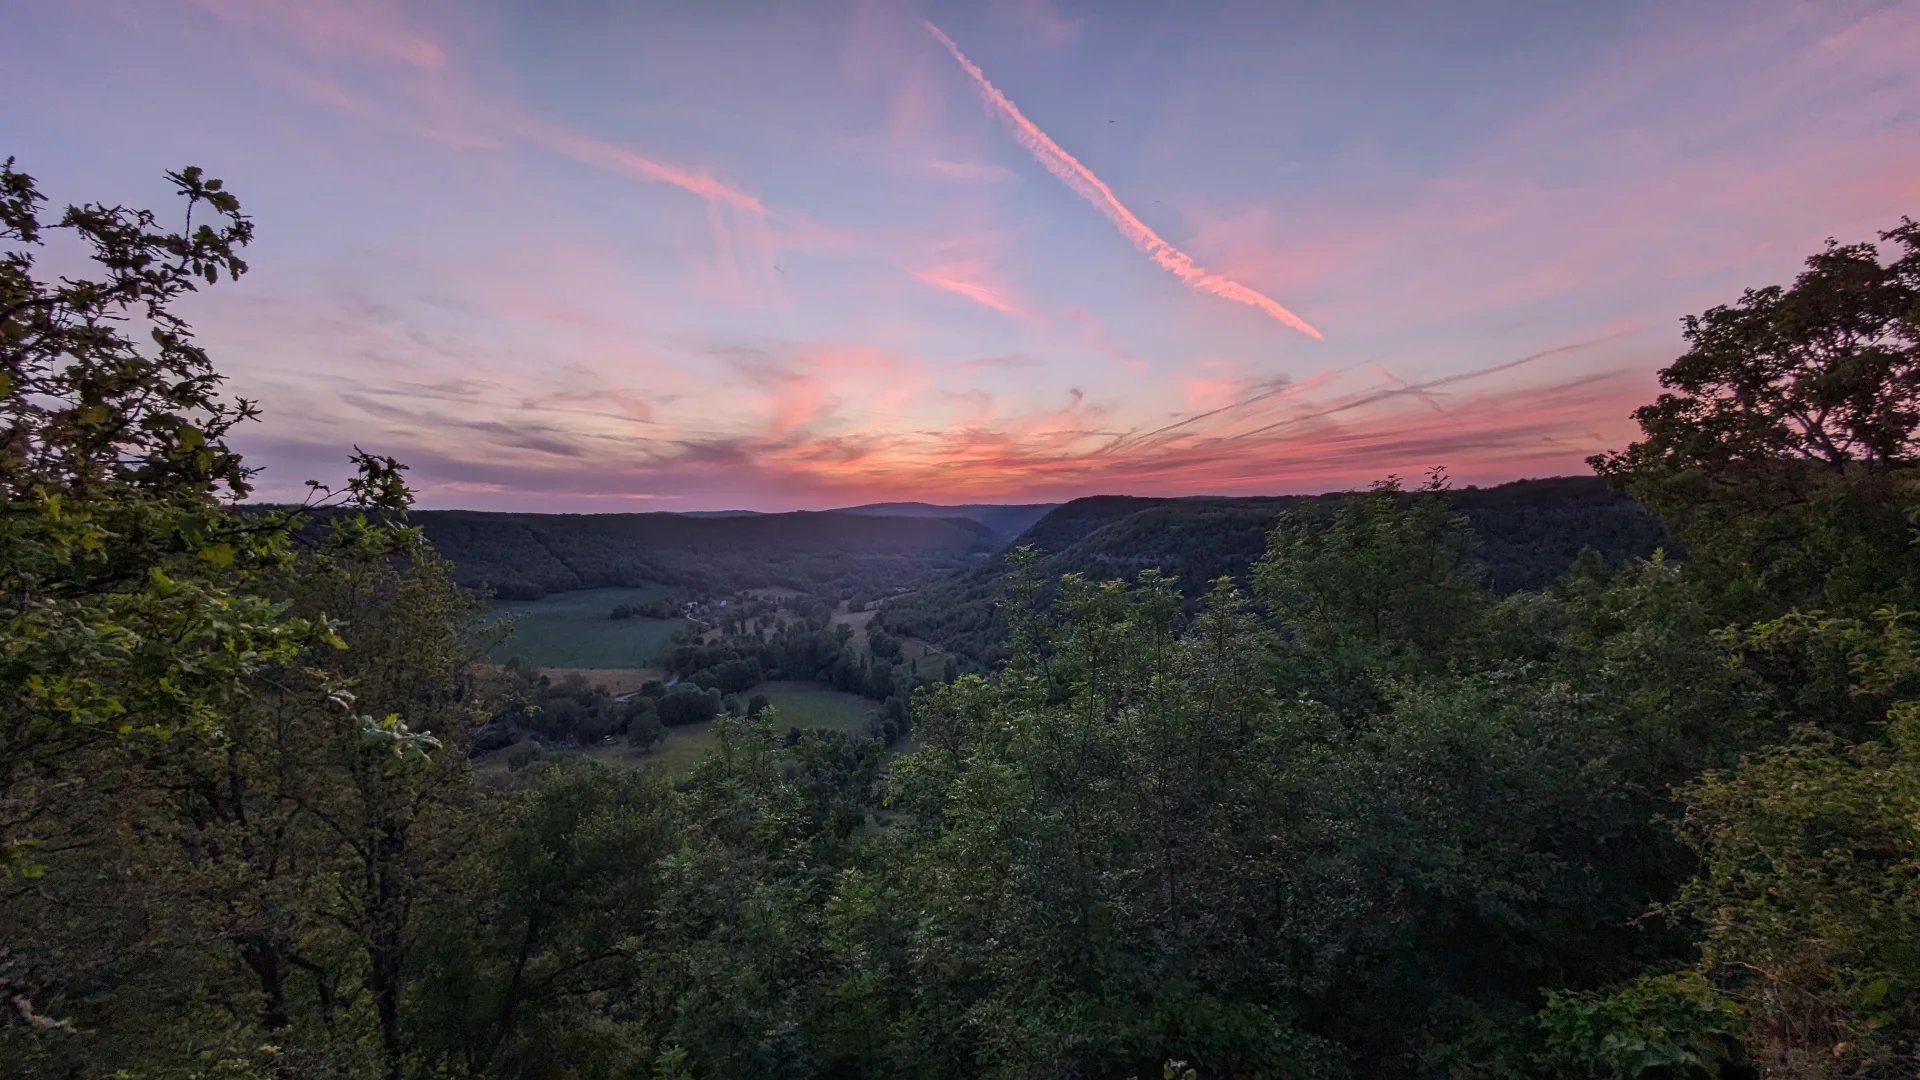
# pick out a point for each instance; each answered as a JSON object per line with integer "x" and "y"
{"x": 1006, "y": 520}
{"x": 524, "y": 556}
{"x": 1357, "y": 812}
{"x": 1529, "y": 533}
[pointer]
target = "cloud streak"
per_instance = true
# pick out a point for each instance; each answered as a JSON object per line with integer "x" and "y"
{"x": 941, "y": 278}
{"x": 810, "y": 433}
{"x": 1082, "y": 182}
{"x": 612, "y": 158}
{"x": 435, "y": 99}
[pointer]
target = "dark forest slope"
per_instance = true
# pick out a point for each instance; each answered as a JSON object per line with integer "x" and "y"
{"x": 1530, "y": 531}
{"x": 1006, "y": 520}
{"x": 523, "y": 556}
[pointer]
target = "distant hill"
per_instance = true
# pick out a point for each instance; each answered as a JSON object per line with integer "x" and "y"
{"x": 1530, "y": 531}
{"x": 1007, "y": 520}
{"x": 525, "y": 556}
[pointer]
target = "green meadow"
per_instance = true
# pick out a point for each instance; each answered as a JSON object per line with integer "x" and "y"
{"x": 804, "y": 705}
{"x": 575, "y": 630}
{"x": 800, "y": 705}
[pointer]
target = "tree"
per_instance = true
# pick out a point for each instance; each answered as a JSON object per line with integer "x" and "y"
{"x": 1783, "y": 451}
{"x": 565, "y": 901}
{"x": 1825, "y": 373}
{"x": 882, "y": 644}
{"x": 1804, "y": 895}
{"x": 1809, "y": 885}
{"x": 164, "y": 674}
{"x": 1391, "y": 576}
{"x": 1091, "y": 846}
{"x": 284, "y": 850}
{"x": 1382, "y": 585}
{"x": 685, "y": 705}
{"x": 643, "y": 723}
{"x": 1786, "y": 458}
{"x": 125, "y": 605}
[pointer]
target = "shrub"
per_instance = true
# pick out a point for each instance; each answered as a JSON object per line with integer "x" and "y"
{"x": 523, "y": 754}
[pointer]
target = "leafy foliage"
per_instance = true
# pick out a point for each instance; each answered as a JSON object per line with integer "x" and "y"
{"x": 1822, "y": 373}
{"x": 1529, "y": 532}
{"x": 1663, "y": 1025}
{"x": 1381, "y": 814}
{"x": 1784, "y": 453}
{"x": 128, "y": 586}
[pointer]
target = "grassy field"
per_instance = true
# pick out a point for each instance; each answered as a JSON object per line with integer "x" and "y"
{"x": 918, "y": 656}
{"x": 677, "y": 754}
{"x": 800, "y": 705}
{"x": 805, "y": 705}
{"x": 680, "y": 751}
{"x": 856, "y": 619}
{"x": 923, "y": 659}
{"x": 572, "y": 630}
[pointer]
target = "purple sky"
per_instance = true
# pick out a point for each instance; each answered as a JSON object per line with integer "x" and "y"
{"x": 627, "y": 256}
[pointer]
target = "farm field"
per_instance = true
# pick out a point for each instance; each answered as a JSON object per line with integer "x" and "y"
{"x": 921, "y": 658}
{"x": 805, "y": 705}
{"x": 573, "y": 630}
{"x": 674, "y": 755}
{"x": 682, "y": 748}
{"x": 799, "y": 705}
{"x": 856, "y": 619}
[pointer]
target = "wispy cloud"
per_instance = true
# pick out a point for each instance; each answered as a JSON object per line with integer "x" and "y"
{"x": 504, "y": 270}
{"x": 432, "y": 96}
{"x": 967, "y": 172}
{"x": 323, "y": 27}
{"x": 615, "y": 158}
{"x": 954, "y": 282}
{"x": 1082, "y": 182}
{"x": 1039, "y": 19}
{"x": 808, "y": 427}
{"x": 985, "y": 363}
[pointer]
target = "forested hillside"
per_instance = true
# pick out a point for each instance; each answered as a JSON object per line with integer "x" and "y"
{"x": 1006, "y": 520}
{"x": 526, "y": 556}
{"x": 1365, "y": 817}
{"x": 1528, "y": 533}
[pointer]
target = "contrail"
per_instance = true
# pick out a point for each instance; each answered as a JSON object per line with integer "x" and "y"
{"x": 1083, "y": 183}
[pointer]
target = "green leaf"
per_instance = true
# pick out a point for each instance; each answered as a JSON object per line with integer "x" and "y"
{"x": 1876, "y": 991}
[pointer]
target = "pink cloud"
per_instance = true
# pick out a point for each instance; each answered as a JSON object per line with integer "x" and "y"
{"x": 1286, "y": 442}
{"x": 1701, "y": 146}
{"x": 432, "y": 100}
{"x": 971, "y": 279}
{"x": 1593, "y": 203}
{"x": 613, "y": 158}
{"x": 967, "y": 171}
{"x": 1039, "y": 19}
{"x": 1217, "y": 388}
{"x": 357, "y": 28}
{"x": 972, "y": 290}
{"x": 1094, "y": 332}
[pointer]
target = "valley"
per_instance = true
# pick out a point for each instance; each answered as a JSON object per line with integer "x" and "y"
{"x": 889, "y": 610}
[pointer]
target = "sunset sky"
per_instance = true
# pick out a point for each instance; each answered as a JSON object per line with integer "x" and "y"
{"x": 633, "y": 256}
